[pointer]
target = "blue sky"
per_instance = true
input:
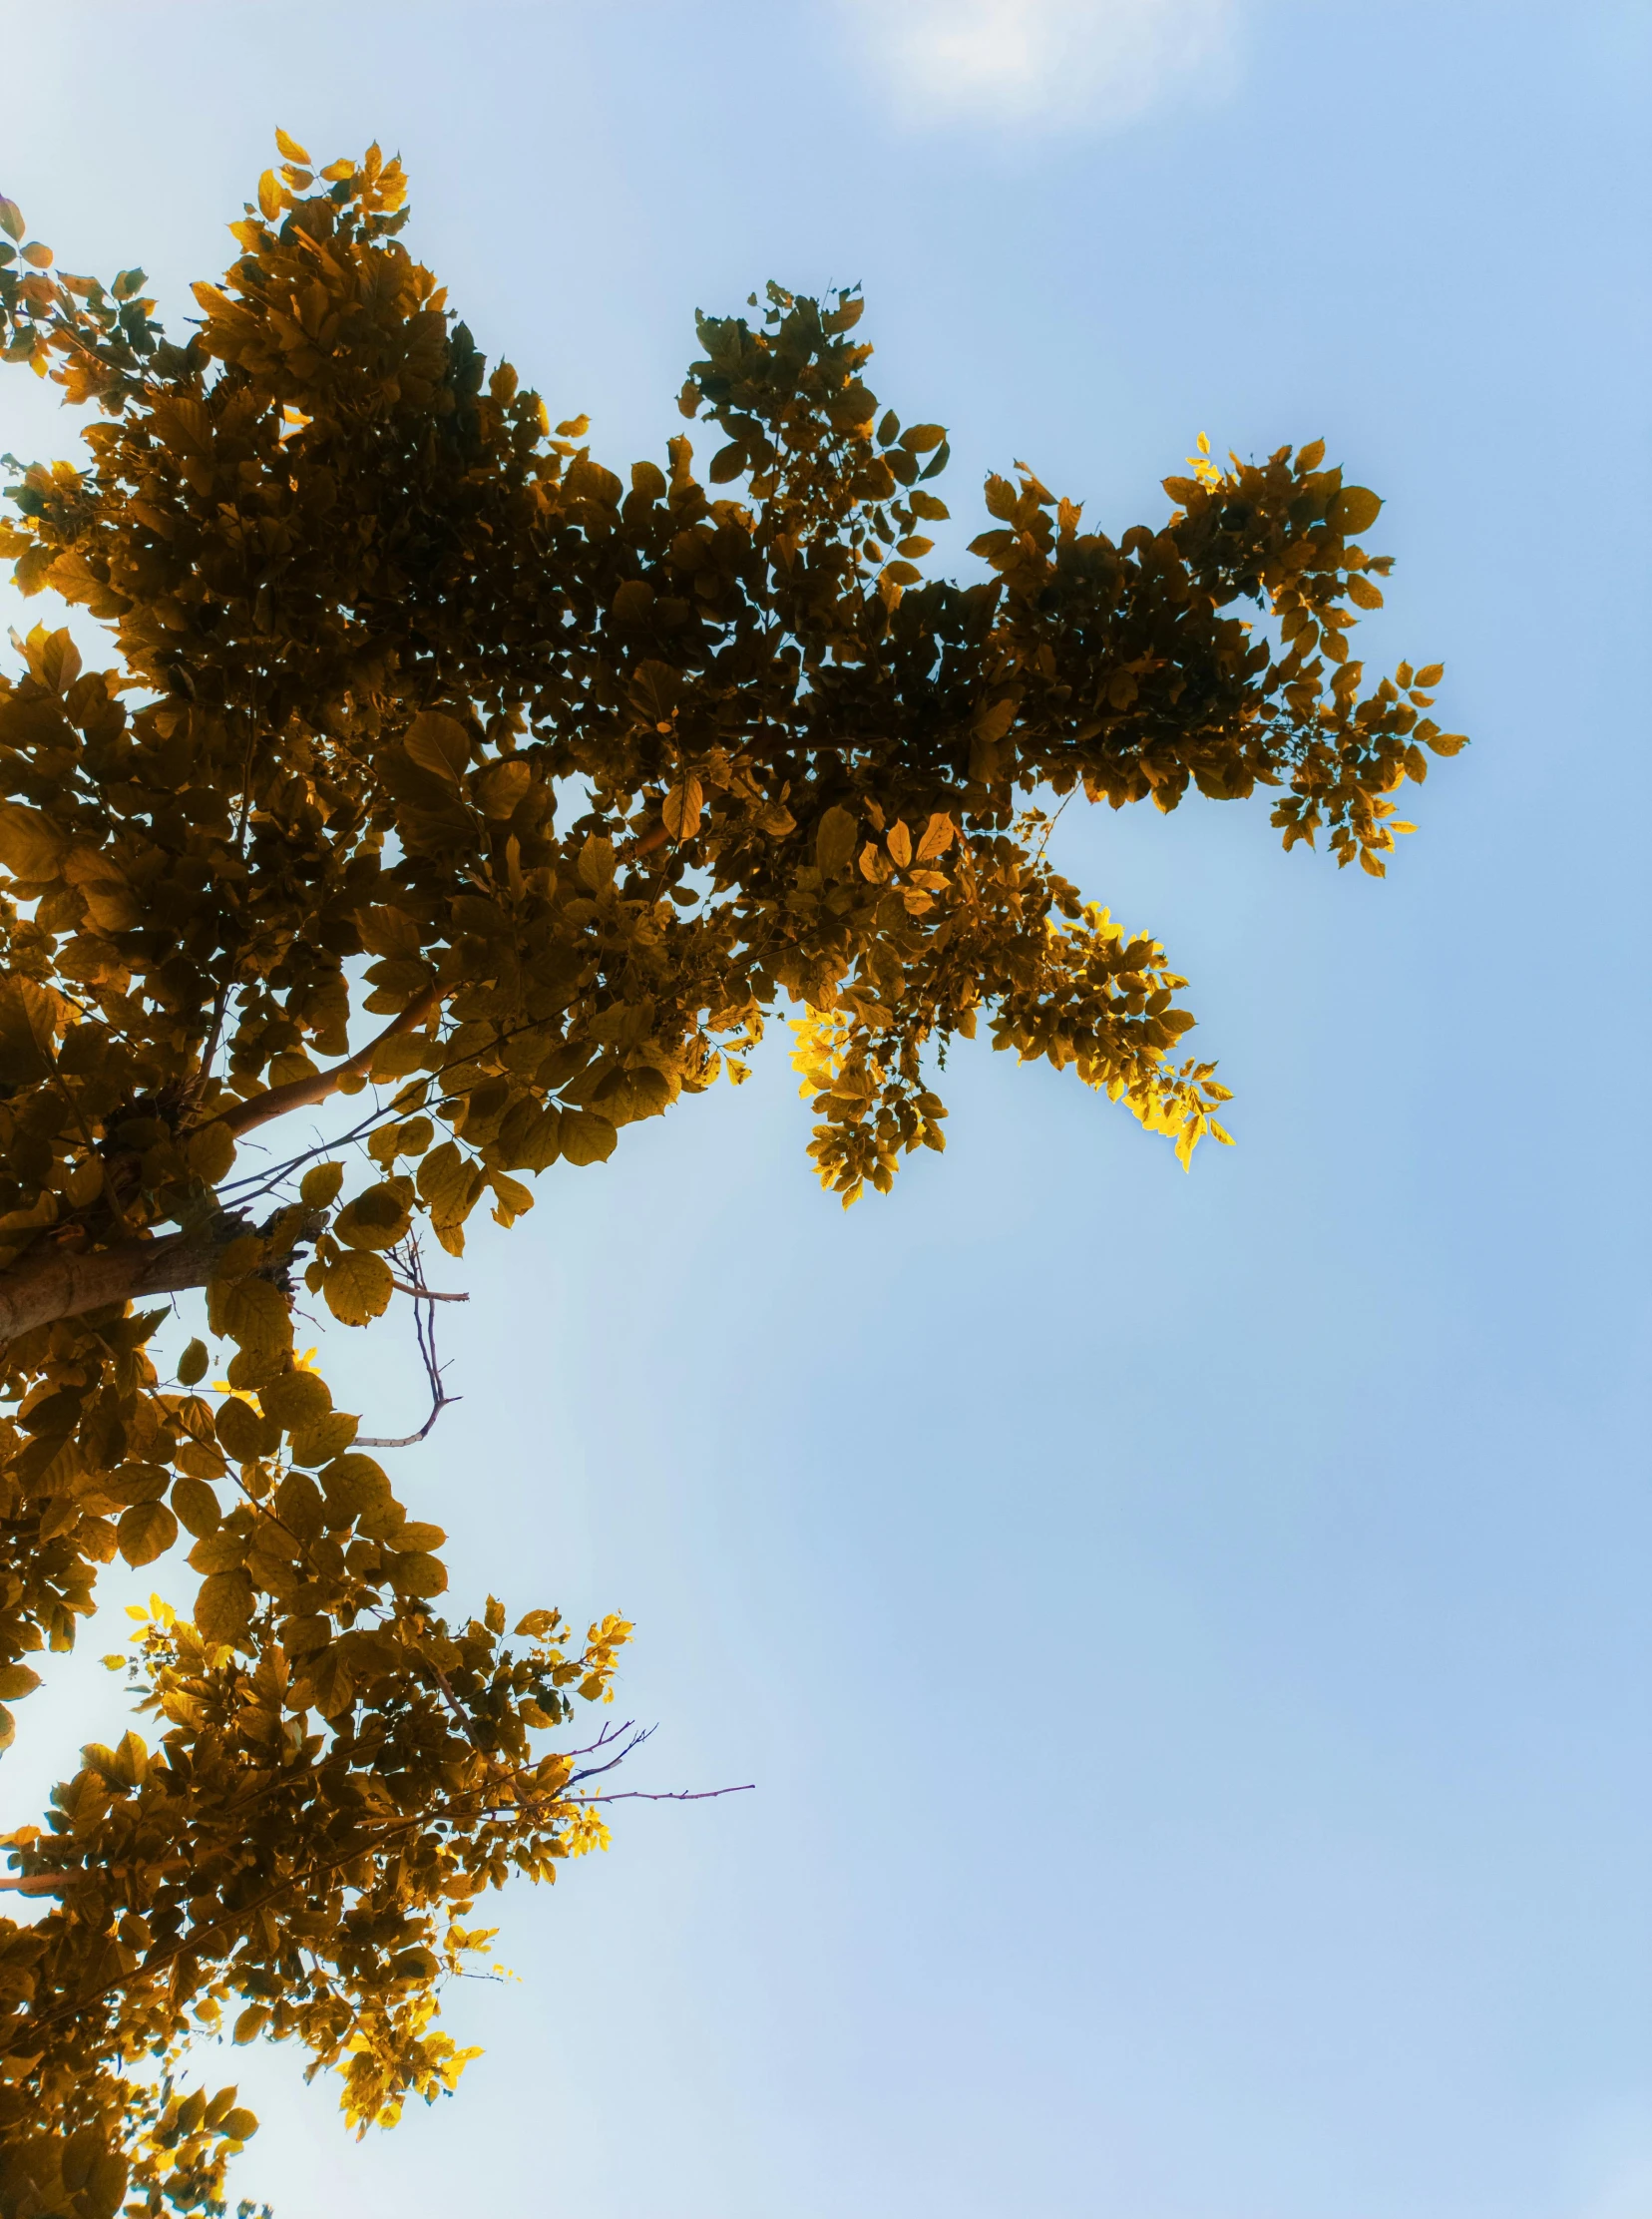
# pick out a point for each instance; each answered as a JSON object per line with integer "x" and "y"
{"x": 1190, "y": 1632}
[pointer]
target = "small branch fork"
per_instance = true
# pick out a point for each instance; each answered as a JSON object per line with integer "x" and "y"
{"x": 665, "y": 1795}
{"x": 424, "y": 1329}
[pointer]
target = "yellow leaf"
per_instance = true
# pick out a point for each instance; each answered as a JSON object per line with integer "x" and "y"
{"x": 146, "y": 1531}
{"x": 938, "y": 837}
{"x": 994, "y": 720}
{"x": 682, "y": 808}
{"x": 223, "y": 1606}
{"x": 357, "y": 1286}
{"x": 438, "y": 745}
{"x": 835, "y": 841}
{"x": 586, "y": 1137}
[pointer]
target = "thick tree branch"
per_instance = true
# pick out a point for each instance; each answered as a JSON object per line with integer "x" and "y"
{"x": 66, "y": 1282}
{"x": 300, "y": 1094}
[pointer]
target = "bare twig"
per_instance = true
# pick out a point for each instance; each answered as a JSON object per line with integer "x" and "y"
{"x": 424, "y": 1330}
{"x": 666, "y": 1795}
{"x": 594, "y": 1771}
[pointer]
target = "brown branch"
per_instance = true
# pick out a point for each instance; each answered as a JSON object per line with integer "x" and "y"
{"x": 66, "y": 1282}
{"x": 405, "y": 1440}
{"x": 424, "y": 1329}
{"x": 300, "y": 1094}
{"x": 35, "y": 1883}
{"x": 209, "y": 1052}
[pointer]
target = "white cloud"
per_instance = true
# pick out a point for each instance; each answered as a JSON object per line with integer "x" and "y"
{"x": 1042, "y": 62}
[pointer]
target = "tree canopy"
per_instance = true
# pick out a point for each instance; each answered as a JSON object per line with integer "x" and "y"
{"x": 444, "y": 770}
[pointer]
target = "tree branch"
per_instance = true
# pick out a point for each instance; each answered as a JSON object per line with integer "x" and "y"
{"x": 300, "y": 1094}
{"x": 424, "y": 1328}
{"x": 66, "y": 1282}
{"x": 666, "y": 1795}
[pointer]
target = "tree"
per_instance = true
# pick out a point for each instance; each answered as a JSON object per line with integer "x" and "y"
{"x": 445, "y": 771}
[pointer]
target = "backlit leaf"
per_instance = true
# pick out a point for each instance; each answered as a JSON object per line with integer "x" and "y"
{"x": 357, "y": 1287}
{"x": 146, "y": 1531}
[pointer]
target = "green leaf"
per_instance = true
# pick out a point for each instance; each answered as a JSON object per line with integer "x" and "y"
{"x": 192, "y": 1365}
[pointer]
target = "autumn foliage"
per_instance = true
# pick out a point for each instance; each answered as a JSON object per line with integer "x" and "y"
{"x": 452, "y": 788}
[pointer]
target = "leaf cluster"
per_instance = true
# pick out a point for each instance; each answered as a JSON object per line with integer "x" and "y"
{"x": 445, "y": 772}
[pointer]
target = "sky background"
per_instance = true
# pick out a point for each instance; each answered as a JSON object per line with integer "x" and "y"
{"x": 1190, "y": 1632}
